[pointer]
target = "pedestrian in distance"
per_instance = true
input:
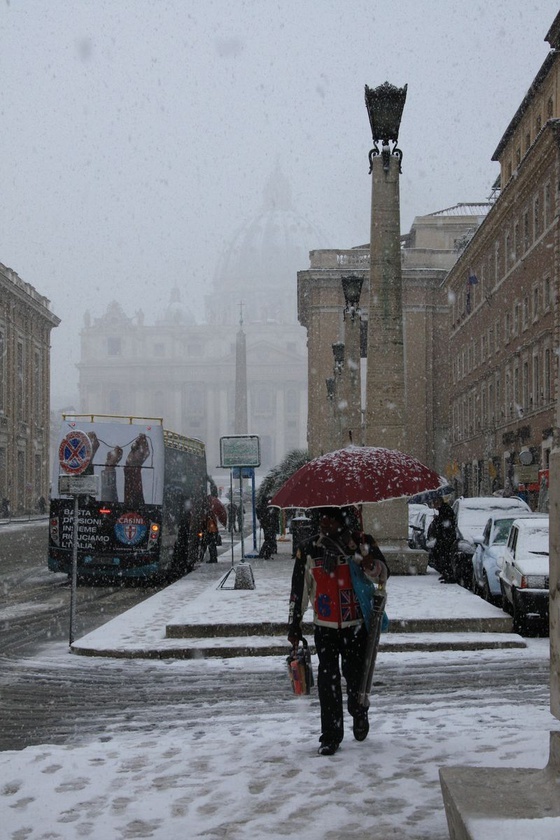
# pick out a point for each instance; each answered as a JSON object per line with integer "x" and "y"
{"x": 232, "y": 523}
{"x": 442, "y": 529}
{"x": 322, "y": 575}
{"x": 268, "y": 519}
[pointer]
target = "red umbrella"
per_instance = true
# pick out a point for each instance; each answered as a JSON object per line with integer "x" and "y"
{"x": 218, "y": 509}
{"x": 356, "y": 475}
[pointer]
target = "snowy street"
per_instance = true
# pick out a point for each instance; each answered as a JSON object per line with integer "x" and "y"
{"x": 220, "y": 748}
{"x": 217, "y": 747}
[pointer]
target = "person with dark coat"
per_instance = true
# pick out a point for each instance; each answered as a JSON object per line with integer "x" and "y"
{"x": 442, "y": 529}
{"x": 232, "y": 522}
{"x": 268, "y": 519}
{"x": 322, "y": 575}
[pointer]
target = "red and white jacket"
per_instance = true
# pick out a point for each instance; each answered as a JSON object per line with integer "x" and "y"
{"x": 331, "y": 592}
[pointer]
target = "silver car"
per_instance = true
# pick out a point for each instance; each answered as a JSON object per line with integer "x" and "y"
{"x": 488, "y": 556}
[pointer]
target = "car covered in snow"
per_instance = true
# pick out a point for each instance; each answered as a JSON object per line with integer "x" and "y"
{"x": 524, "y": 576}
{"x": 413, "y": 513}
{"x": 419, "y": 518}
{"x": 471, "y": 515}
{"x": 488, "y": 556}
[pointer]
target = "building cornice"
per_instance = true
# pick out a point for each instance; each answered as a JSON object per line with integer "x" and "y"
{"x": 27, "y": 295}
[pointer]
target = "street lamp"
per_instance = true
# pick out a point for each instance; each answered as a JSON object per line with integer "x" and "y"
{"x": 385, "y": 106}
{"x": 338, "y": 353}
{"x": 352, "y": 289}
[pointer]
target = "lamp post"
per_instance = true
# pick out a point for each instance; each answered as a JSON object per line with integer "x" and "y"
{"x": 340, "y": 400}
{"x": 385, "y": 424}
{"x": 352, "y": 289}
{"x": 385, "y": 386}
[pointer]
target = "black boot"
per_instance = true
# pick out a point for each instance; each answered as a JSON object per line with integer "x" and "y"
{"x": 361, "y": 725}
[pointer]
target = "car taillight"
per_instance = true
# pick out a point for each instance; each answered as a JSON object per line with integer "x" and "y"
{"x": 534, "y": 582}
{"x": 104, "y": 510}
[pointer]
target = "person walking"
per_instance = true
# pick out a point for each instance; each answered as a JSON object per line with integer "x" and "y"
{"x": 322, "y": 575}
{"x": 232, "y": 522}
{"x": 268, "y": 519}
{"x": 442, "y": 529}
{"x": 211, "y": 537}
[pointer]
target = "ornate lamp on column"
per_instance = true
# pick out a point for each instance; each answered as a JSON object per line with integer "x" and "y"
{"x": 385, "y": 386}
{"x": 352, "y": 289}
{"x": 385, "y": 423}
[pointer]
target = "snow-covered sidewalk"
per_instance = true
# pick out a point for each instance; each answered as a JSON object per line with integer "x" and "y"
{"x": 195, "y": 616}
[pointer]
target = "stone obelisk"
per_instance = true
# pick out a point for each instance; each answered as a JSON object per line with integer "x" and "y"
{"x": 240, "y": 417}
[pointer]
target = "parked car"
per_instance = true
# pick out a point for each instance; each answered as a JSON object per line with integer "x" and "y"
{"x": 488, "y": 556}
{"x": 414, "y": 512}
{"x": 420, "y": 528}
{"x": 524, "y": 576}
{"x": 471, "y": 515}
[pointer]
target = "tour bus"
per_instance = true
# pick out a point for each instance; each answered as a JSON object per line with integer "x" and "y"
{"x": 149, "y": 504}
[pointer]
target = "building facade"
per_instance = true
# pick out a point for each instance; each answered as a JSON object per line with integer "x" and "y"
{"x": 428, "y": 251}
{"x": 175, "y": 367}
{"x": 25, "y": 326}
{"x": 503, "y": 317}
{"x": 186, "y": 372}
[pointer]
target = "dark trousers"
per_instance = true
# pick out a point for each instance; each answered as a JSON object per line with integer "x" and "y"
{"x": 443, "y": 559}
{"x": 348, "y": 645}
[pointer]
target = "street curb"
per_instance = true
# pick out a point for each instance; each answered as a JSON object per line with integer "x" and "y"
{"x": 202, "y": 648}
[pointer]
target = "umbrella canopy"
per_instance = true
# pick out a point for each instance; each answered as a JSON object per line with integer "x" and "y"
{"x": 356, "y": 475}
{"x": 430, "y": 495}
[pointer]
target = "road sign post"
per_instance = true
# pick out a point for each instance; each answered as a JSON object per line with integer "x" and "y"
{"x": 74, "y": 454}
{"x": 241, "y": 453}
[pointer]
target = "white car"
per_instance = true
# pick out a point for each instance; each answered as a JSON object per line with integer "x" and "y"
{"x": 488, "y": 557}
{"x": 414, "y": 512}
{"x": 421, "y": 528}
{"x": 471, "y": 515}
{"x": 524, "y": 576}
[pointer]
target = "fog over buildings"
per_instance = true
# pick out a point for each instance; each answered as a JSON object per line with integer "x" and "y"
{"x": 141, "y": 138}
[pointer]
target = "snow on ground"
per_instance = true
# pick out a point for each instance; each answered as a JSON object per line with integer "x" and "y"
{"x": 241, "y": 775}
{"x": 236, "y": 772}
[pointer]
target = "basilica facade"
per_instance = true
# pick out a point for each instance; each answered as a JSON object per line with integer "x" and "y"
{"x": 181, "y": 365}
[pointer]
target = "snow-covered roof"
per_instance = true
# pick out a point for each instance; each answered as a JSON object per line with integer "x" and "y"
{"x": 467, "y": 208}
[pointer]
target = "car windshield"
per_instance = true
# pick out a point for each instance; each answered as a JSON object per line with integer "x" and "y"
{"x": 501, "y": 531}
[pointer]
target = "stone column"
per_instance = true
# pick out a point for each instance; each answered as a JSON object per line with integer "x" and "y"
{"x": 385, "y": 388}
{"x": 385, "y": 408}
{"x": 353, "y": 432}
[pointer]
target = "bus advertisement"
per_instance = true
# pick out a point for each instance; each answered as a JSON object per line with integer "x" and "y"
{"x": 144, "y": 520}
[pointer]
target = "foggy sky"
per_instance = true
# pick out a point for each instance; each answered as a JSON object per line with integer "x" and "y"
{"x": 137, "y": 136}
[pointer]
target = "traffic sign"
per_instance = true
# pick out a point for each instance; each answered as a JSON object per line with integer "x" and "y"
{"x": 78, "y": 485}
{"x": 75, "y": 452}
{"x": 240, "y": 451}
